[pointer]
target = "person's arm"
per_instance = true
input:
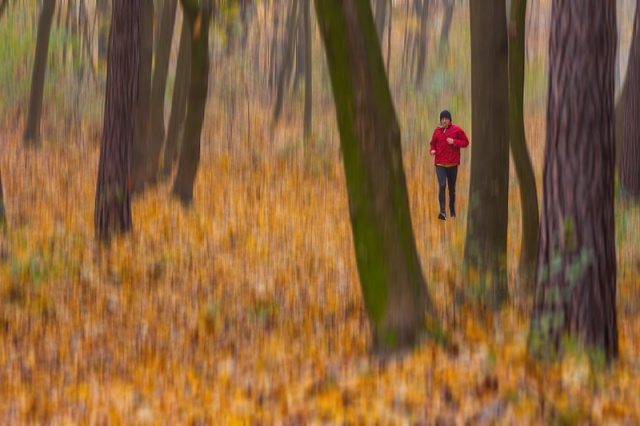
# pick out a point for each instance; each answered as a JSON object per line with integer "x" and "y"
{"x": 461, "y": 141}
{"x": 433, "y": 142}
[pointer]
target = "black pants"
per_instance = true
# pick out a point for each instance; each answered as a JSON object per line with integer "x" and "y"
{"x": 449, "y": 174}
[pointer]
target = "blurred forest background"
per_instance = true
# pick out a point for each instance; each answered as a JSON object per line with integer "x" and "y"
{"x": 242, "y": 304}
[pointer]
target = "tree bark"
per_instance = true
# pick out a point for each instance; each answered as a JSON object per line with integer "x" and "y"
{"x": 424, "y": 42}
{"x": 287, "y": 59}
{"x": 32, "y": 128}
{"x": 519, "y": 151}
{"x": 102, "y": 10}
{"x": 630, "y": 155}
{"x": 576, "y": 267}
{"x": 308, "y": 88}
{"x": 199, "y": 18}
{"x": 381, "y": 17}
{"x": 486, "y": 243}
{"x": 446, "y": 25}
{"x": 113, "y": 206}
{"x": 391, "y": 279}
{"x": 158, "y": 88}
{"x": 139, "y": 159}
{"x": 179, "y": 98}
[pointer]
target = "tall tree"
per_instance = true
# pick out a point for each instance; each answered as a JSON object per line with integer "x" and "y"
{"x": 178, "y": 99}
{"x": 486, "y": 243}
{"x": 576, "y": 268}
{"x": 394, "y": 290}
{"x": 630, "y": 155}
{"x": 287, "y": 58}
{"x": 519, "y": 151}
{"x": 113, "y": 206}
{"x": 424, "y": 43}
{"x": 140, "y": 154}
{"x": 381, "y": 17}
{"x": 158, "y": 87}
{"x": 446, "y": 25}
{"x": 199, "y": 17}
{"x": 308, "y": 89}
{"x": 32, "y": 128}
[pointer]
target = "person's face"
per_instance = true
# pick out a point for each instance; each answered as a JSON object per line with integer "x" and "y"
{"x": 445, "y": 122}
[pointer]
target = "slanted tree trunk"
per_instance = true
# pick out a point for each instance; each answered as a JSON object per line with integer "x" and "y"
{"x": 158, "y": 88}
{"x": 113, "y": 206}
{"x": 424, "y": 42}
{"x": 199, "y": 18}
{"x": 394, "y": 290}
{"x": 381, "y": 17}
{"x": 139, "y": 159}
{"x": 179, "y": 98}
{"x": 576, "y": 267}
{"x": 485, "y": 248}
{"x": 446, "y": 25}
{"x": 519, "y": 151}
{"x": 287, "y": 59}
{"x": 3, "y": 212}
{"x": 32, "y": 128}
{"x": 308, "y": 88}
{"x": 630, "y": 155}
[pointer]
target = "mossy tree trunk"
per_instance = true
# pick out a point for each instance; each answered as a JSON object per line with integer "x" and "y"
{"x": 394, "y": 290}
{"x": 519, "y": 151}
{"x": 178, "y": 99}
{"x": 159, "y": 86}
{"x": 576, "y": 267}
{"x": 199, "y": 17}
{"x": 32, "y": 127}
{"x": 485, "y": 248}
{"x": 113, "y": 205}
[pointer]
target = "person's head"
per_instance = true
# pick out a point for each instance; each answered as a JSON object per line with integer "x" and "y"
{"x": 445, "y": 118}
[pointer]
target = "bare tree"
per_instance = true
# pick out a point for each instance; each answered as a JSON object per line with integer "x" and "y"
{"x": 113, "y": 206}
{"x": 287, "y": 59}
{"x": 576, "y": 268}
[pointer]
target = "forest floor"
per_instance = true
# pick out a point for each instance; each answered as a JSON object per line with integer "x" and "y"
{"x": 245, "y": 308}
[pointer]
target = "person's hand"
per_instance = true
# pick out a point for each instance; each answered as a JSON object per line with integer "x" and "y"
{"x": 450, "y": 141}
{"x": 433, "y": 152}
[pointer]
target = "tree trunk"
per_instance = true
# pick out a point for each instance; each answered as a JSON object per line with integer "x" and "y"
{"x": 381, "y": 17}
{"x": 486, "y": 243}
{"x": 32, "y": 128}
{"x": 139, "y": 159}
{"x": 158, "y": 88}
{"x": 3, "y": 7}
{"x": 102, "y": 10}
{"x": 3, "y": 212}
{"x": 199, "y": 19}
{"x": 620, "y": 113}
{"x": 113, "y": 206}
{"x": 446, "y": 26}
{"x": 287, "y": 59}
{"x": 630, "y": 156}
{"x": 179, "y": 98}
{"x": 308, "y": 88}
{"x": 301, "y": 56}
{"x": 391, "y": 279}
{"x": 576, "y": 267}
{"x": 424, "y": 42}
{"x": 519, "y": 151}
{"x": 389, "y": 39}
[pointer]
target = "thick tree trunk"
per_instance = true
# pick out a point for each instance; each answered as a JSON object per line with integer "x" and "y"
{"x": 391, "y": 278}
{"x": 287, "y": 59}
{"x": 308, "y": 88}
{"x": 158, "y": 88}
{"x": 486, "y": 243}
{"x": 199, "y": 19}
{"x": 113, "y": 206}
{"x": 139, "y": 159}
{"x": 519, "y": 151}
{"x": 3, "y": 212}
{"x": 381, "y": 17}
{"x": 32, "y": 128}
{"x": 178, "y": 99}
{"x": 576, "y": 268}
{"x": 446, "y": 25}
{"x": 424, "y": 42}
{"x": 630, "y": 155}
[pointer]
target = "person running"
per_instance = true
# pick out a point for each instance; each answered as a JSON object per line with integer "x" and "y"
{"x": 445, "y": 146}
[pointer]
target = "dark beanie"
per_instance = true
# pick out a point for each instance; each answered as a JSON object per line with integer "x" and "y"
{"x": 445, "y": 114}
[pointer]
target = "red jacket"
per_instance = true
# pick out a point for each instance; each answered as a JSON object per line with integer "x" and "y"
{"x": 445, "y": 153}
